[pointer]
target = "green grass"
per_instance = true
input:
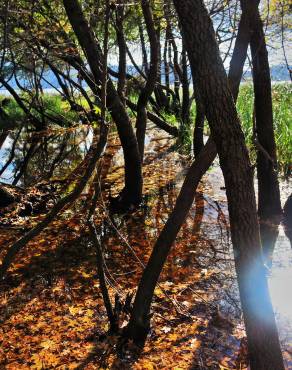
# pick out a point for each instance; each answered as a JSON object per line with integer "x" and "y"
{"x": 282, "y": 103}
{"x": 282, "y": 115}
{"x": 54, "y": 106}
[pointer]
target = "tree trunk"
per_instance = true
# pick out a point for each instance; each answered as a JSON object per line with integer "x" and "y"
{"x": 122, "y": 52}
{"x": 269, "y": 204}
{"x": 139, "y": 324}
{"x": 132, "y": 193}
{"x": 143, "y": 49}
{"x": 248, "y": 8}
{"x": 198, "y": 139}
{"x": 208, "y": 73}
{"x": 151, "y": 78}
{"x": 185, "y": 109}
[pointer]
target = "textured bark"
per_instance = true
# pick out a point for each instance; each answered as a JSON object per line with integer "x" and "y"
{"x": 249, "y": 9}
{"x": 151, "y": 77}
{"x": 269, "y": 204}
{"x": 133, "y": 170}
{"x": 139, "y": 322}
{"x": 209, "y": 74}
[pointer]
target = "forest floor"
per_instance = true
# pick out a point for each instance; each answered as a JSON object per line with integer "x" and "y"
{"x": 52, "y": 314}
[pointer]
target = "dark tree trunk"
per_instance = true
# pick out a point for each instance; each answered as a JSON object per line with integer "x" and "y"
{"x": 24, "y": 164}
{"x": 287, "y": 219}
{"x": 151, "y": 78}
{"x": 122, "y": 52}
{"x": 139, "y": 324}
{"x": 176, "y": 72}
{"x": 208, "y": 73}
{"x": 248, "y": 8}
{"x": 143, "y": 49}
{"x": 166, "y": 69}
{"x": 269, "y": 204}
{"x": 185, "y": 109}
{"x": 133, "y": 170}
{"x": 235, "y": 70}
{"x": 198, "y": 139}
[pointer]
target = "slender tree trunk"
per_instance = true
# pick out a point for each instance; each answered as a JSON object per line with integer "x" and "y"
{"x": 176, "y": 73}
{"x": 269, "y": 204}
{"x": 151, "y": 78}
{"x": 185, "y": 109}
{"x": 198, "y": 139}
{"x": 113, "y": 319}
{"x": 238, "y": 59}
{"x": 132, "y": 193}
{"x": 248, "y": 8}
{"x": 122, "y": 52}
{"x": 160, "y": 96}
{"x": 166, "y": 69}
{"x": 139, "y": 323}
{"x": 143, "y": 49}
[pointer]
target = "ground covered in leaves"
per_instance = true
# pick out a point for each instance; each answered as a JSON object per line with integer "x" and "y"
{"x": 52, "y": 314}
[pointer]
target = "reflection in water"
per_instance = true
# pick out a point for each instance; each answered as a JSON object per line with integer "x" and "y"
{"x": 269, "y": 234}
{"x": 27, "y": 158}
{"x": 280, "y": 281}
{"x": 199, "y": 272}
{"x": 287, "y": 219}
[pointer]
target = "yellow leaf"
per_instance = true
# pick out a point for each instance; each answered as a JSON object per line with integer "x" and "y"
{"x": 74, "y": 310}
{"x": 46, "y": 344}
{"x": 96, "y": 110}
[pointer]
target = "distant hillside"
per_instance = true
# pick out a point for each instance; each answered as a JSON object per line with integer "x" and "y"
{"x": 278, "y": 73}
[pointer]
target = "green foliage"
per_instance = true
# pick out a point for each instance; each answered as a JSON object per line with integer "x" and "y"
{"x": 12, "y": 109}
{"x": 53, "y": 105}
{"x": 282, "y": 102}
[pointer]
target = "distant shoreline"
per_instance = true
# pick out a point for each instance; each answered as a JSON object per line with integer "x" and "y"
{"x": 53, "y": 91}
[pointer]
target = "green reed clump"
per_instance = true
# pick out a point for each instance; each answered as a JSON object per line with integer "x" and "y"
{"x": 50, "y": 104}
{"x": 282, "y": 102}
